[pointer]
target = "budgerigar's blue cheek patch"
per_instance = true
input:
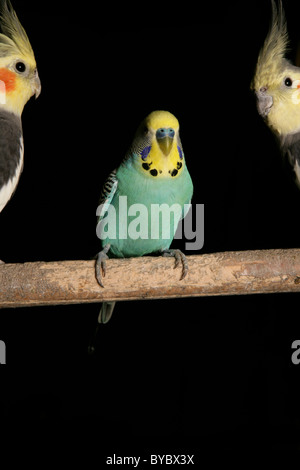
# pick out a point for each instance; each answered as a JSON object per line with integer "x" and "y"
{"x": 180, "y": 152}
{"x": 145, "y": 152}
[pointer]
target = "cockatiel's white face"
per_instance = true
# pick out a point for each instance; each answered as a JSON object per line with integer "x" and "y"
{"x": 19, "y": 78}
{"x": 277, "y": 81}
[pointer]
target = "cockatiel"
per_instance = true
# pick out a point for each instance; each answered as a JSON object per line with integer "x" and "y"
{"x": 19, "y": 81}
{"x": 277, "y": 87}
{"x": 153, "y": 172}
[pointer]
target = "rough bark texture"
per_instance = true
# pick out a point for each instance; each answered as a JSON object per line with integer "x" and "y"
{"x": 230, "y": 273}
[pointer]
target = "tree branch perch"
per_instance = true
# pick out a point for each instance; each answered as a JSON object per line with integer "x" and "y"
{"x": 229, "y": 273}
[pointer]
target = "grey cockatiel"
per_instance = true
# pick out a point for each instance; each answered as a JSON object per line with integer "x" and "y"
{"x": 19, "y": 81}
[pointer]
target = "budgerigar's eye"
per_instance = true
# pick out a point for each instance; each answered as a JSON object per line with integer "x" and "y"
{"x": 288, "y": 82}
{"x": 20, "y": 67}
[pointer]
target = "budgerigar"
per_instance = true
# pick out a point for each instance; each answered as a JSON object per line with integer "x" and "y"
{"x": 277, "y": 87}
{"x": 152, "y": 173}
{"x": 19, "y": 81}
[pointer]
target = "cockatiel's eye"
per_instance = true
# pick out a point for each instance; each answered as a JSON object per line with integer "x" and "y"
{"x": 20, "y": 67}
{"x": 288, "y": 82}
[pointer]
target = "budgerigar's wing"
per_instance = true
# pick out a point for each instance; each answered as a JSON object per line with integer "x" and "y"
{"x": 185, "y": 209}
{"x": 107, "y": 193}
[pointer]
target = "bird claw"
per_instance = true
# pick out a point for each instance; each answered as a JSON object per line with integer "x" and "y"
{"x": 179, "y": 258}
{"x": 100, "y": 266}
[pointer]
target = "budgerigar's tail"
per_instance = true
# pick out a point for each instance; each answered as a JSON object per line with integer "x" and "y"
{"x": 104, "y": 316}
{"x": 106, "y": 312}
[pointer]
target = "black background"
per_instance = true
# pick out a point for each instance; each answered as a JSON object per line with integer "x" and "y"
{"x": 184, "y": 372}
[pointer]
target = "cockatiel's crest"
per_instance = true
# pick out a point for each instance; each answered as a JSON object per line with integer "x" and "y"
{"x": 13, "y": 39}
{"x": 271, "y": 60}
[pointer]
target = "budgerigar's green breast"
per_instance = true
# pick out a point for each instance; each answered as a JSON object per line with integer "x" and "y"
{"x": 146, "y": 211}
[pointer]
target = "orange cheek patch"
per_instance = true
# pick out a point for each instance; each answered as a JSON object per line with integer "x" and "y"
{"x": 8, "y": 79}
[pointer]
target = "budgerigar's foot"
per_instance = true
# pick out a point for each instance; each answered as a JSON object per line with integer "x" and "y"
{"x": 179, "y": 258}
{"x": 101, "y": 264}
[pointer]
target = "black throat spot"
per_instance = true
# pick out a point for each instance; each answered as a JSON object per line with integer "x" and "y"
{"x": 153, "y": 171}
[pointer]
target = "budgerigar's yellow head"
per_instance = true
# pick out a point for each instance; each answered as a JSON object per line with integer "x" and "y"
{"x": 19, "y": 78}
{"x": 276, "y": 81}
{"x": 157, "y": 146}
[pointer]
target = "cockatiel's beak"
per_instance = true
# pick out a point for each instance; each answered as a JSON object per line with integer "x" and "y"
{"x": 264, "y": 102}
{"x": 36, "y": 85}
{"x": 165, "y": 137}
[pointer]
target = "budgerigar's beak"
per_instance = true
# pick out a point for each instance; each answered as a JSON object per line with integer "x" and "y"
{"x": 264, "y": 102}
{"x": 165, "y": 137}
{"x": 36, "y": 85}
{"x": 166, "y": 144}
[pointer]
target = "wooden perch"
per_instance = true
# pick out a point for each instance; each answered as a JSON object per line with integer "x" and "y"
{"x": 230, "y": 273}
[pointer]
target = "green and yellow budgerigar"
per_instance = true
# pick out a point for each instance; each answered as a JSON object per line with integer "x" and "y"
{"x": 277, "y": 87}
{"x": 153, "y": 174}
